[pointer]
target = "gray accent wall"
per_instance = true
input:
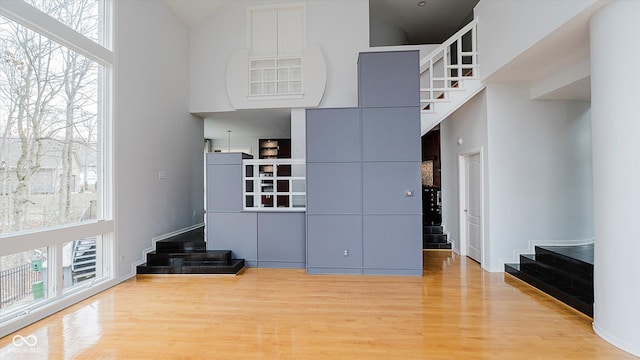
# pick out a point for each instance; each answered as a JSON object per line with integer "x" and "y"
{"x": 364, "y": 208}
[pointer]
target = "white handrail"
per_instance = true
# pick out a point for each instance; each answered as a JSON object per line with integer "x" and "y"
{"x": 464, "y": 66}
{"x": 455, "y": 37}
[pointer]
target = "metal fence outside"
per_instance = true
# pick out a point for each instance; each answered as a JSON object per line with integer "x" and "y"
{"x": 15, "y": 284}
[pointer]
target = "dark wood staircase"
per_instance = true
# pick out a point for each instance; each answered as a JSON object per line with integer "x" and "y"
{"x": 433, "y": 237}
{"x": 564, "y": 272}
{"x": 187, "y": 254}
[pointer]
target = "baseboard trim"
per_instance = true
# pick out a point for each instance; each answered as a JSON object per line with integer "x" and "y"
{"x": 633, "y": 349}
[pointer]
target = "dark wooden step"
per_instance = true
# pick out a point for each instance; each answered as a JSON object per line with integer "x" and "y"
{"x": 437, "y": 246}
{"x": 574, "y": 282}
{"x": 177, "y": 259}
{"x": 433, "y": 229}
{"x": 194, "y": 267}
{"x": 434, "y": 238}
{"x": 180, "y": 245}
{"x": 571, "y": 259}
{"x": 542, "y": 282}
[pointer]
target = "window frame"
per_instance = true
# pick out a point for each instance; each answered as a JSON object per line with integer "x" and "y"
{"x": 53, "y": 238}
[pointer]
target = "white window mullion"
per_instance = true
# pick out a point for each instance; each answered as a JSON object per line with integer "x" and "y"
{"x": 36, "y": 20}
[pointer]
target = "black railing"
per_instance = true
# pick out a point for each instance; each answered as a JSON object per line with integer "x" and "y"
{"x": 15, "y": 284}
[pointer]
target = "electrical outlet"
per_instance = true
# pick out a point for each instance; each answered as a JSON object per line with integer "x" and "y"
{"x": 346, "y": 252}
{"x": 121, "y": 258}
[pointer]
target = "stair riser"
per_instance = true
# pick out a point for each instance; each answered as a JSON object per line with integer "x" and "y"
{"x": 180, "y": 247}
{"x": 557, "y": 278}
{"x": 233, "y": 268}
{"x": 433, "y": 229}
{"x": 581, "y": 304}
{"x": 564, "y": 263}
{"x": 184, "y": 262}
{"x": 435, "y": 238}
{"x": 436, "y": 246}
{"x": 220, "y": 256}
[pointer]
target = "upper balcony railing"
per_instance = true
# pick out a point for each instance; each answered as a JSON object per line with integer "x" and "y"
{"x": 274, "y": 185}
{"x": 452, "y": 62}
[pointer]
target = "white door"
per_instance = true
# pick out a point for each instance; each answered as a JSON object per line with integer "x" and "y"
{"x": 473, "y": 208}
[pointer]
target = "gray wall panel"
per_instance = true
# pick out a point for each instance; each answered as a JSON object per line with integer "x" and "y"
{"x": 391, "y": 134}
{"x": 385, "y": 185}
{"x": 237, "y": 232}
{"x": 281, "y": 238}
{"x": 224, "y": 188}
{"x": 334, "y": 188}
{"x": 226, "y": 158}
{"x": 392, "y": 242}
{"x": 333, "y": 135}
{"x": 328, "y": 236}
{"x": 389, "y": 79}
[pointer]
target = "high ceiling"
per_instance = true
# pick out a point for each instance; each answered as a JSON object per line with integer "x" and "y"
{"x": 192, "y": 12}
{"x": 431, "y": 23}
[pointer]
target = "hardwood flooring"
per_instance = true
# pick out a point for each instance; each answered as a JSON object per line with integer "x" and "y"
{"x": 455, "y": 311}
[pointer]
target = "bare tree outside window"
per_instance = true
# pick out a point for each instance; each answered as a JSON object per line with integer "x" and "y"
{"x": 49, "y": 125}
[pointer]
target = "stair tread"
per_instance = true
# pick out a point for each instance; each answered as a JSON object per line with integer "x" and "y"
{"x": 574, "y": 282}
{"x": 177, "y": 253}
{"x": 572, "y": 272}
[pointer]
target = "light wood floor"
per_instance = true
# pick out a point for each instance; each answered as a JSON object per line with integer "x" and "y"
{"x": 455, "y": 311}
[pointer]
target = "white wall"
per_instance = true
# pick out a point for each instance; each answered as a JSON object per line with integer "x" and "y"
{"x": 249, "y": 145}
{"x": 540, "y": 173}
{"x": 616, "y": 174}
{"x": 538, "y": 184}
{"x": 506, "y": 28}
{"x": 153, "y": 130}
{"x": 469, "y": 123}
{"x": 339, "y": 27}
{"x": 383, "y": 33}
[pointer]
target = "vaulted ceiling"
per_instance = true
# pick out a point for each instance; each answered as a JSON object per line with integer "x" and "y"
{"x": 424, "y": 22}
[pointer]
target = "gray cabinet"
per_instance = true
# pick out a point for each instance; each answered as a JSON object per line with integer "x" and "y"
{"x": 281, "y": 240}
{"x": 392, "y": 244}
{"x": 391, "y": 134}
{"x": 224, "y": 182}
{"x": 389, "y": 79}
{"x": 237, "y": 232}
{"x": 334, "y": 243}
{"x": 385, "y": 186}
{"x": 263, "y": 239}
{"x": 224, "y": 188}
{"x": 334, "y": 188}
{"x": 333, "y": 135}
{"x": 360, "y": 165}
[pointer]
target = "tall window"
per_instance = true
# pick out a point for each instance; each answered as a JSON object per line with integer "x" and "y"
{"x": 53, "y": 158}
